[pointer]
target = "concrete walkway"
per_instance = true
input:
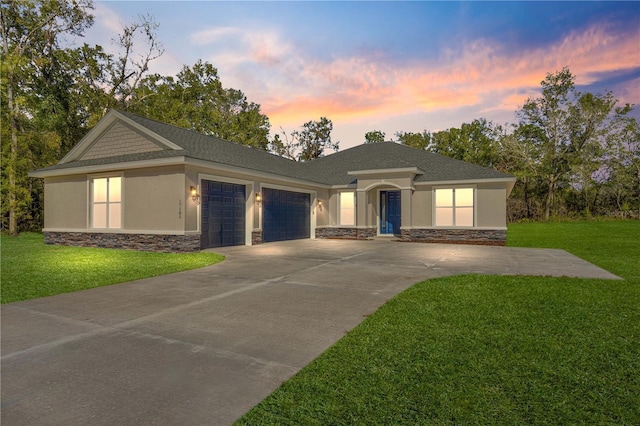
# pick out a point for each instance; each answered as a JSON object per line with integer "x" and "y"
{"x": 202, "y": 347}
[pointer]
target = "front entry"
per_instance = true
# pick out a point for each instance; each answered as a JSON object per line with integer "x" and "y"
{"x": 223, "y": 214}
{"x": 390, "y": 212}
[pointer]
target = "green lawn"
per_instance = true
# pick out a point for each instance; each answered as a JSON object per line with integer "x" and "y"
{"x": 488, "y": 349}
{"x": 32, "y": 269}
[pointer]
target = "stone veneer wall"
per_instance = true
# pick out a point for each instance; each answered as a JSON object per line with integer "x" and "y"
{"x": 489, "y": 237}
{"x": 143, "y": 242}
{"x": 345, "y": 233}
{"x": 256, "y": 238}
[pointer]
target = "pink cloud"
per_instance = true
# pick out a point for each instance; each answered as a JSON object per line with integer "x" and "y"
{"x": 481, "y": 72}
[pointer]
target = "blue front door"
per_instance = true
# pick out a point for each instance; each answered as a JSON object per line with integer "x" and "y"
{"x": 390, "y": 212}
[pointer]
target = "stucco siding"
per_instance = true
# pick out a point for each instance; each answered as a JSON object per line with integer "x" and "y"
{"x": 373, "y": 203}
{"x": 421, "y": 207}
{"x": 154, "y": 199}
{"x": 323, "y": 216}
{"x": 65, "y": 201}
{"x": 191, "y": 207}
{"x": 491, "y": 207}
{"x": 392, "y": 182}
{"x": 333, "y": 207}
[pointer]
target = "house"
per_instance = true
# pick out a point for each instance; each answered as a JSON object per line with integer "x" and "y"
{"x": 136, "y": 183}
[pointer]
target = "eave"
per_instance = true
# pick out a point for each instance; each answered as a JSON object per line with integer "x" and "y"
{"x": 170, "y": 161}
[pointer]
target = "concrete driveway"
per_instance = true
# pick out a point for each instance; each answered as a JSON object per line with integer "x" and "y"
{"x": 202, "y": 347}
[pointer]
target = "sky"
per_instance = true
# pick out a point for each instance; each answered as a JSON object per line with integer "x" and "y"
{"x": 391, "y": 66}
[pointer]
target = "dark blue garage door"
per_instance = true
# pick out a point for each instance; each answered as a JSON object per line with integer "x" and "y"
{"x": 223, "y": 214}
{"x": 285, "y": 215}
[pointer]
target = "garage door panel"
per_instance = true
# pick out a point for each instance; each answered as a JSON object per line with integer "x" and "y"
{"x": 285, "y": 215}
{"x": 223, "y": 214}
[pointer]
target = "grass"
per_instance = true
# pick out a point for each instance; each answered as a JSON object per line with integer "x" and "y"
{"x": 488, "y": 349}
{"x": 612, "y": 245}
{"x": 31, "y": 269}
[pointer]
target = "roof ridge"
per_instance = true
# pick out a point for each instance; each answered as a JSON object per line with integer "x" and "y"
{"x": 342, "y": 153}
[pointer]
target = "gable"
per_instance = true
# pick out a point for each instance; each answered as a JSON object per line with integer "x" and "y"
{"x": 118, "y": 139}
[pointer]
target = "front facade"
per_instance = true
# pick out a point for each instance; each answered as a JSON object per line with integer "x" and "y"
{"x": 139, "y": 184}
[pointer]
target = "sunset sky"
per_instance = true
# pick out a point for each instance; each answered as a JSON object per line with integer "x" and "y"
{"x": 392, "y": 66}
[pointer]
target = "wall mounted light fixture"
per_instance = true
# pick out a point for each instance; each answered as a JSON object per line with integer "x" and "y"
{"x": 193, "y": 191}
{"x": 258, "y": 198}
{"x": 320, "y": 205}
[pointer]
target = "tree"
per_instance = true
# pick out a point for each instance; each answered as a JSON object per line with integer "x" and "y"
{"x": 623, "y": 164}
{"x": 416, "y": 140}
{"x": 284, "y": 148}
{"x": 474, "y": 142}
{"x": 30, "y": 32}
{"x": 374, "y": 136}
{"x": 519, "y": 157}
{"x": 103, "y": 80}
{"x": 306, "y": 144}
{"x": 55, "y": 93}
{"x": 315, "y": 138}
{"x": 126, "y": 71}
{"x": 571, "y": 126}
{"x": 195, "y": 99}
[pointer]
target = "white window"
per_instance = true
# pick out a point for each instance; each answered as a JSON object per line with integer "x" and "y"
{"x": 454, "y": 207}
{"x": 106, "y": 203}
{"x": 348, "y": 208}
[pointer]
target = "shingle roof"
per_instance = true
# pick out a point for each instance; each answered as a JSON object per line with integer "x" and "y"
{"x": 390, "y": 155}
{"x": 198, "y": 146}
{"x": 330, "y": 170}
{"x": 210, "y": 148}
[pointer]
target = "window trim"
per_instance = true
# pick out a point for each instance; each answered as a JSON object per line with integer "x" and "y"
{"x": 355, "y": 210}
{"x": 454, "y": 207}
{"x": 91, "y": 180}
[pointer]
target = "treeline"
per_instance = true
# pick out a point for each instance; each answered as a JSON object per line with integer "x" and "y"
{"x": 53, "y": 93}
{"x": 575, "y": 154}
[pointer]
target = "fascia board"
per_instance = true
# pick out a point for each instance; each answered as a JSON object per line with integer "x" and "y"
{"x": 150, "y": 133}
{"x": 107, "y": 167}
{"x": 88, "y": 139}
{"x": 347, "y": 186}
{"x": 413, "y": 170}
{"x": 467, "y": 181}
{"x": 172, "y": 161}
{"x": 253, "y": 173}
